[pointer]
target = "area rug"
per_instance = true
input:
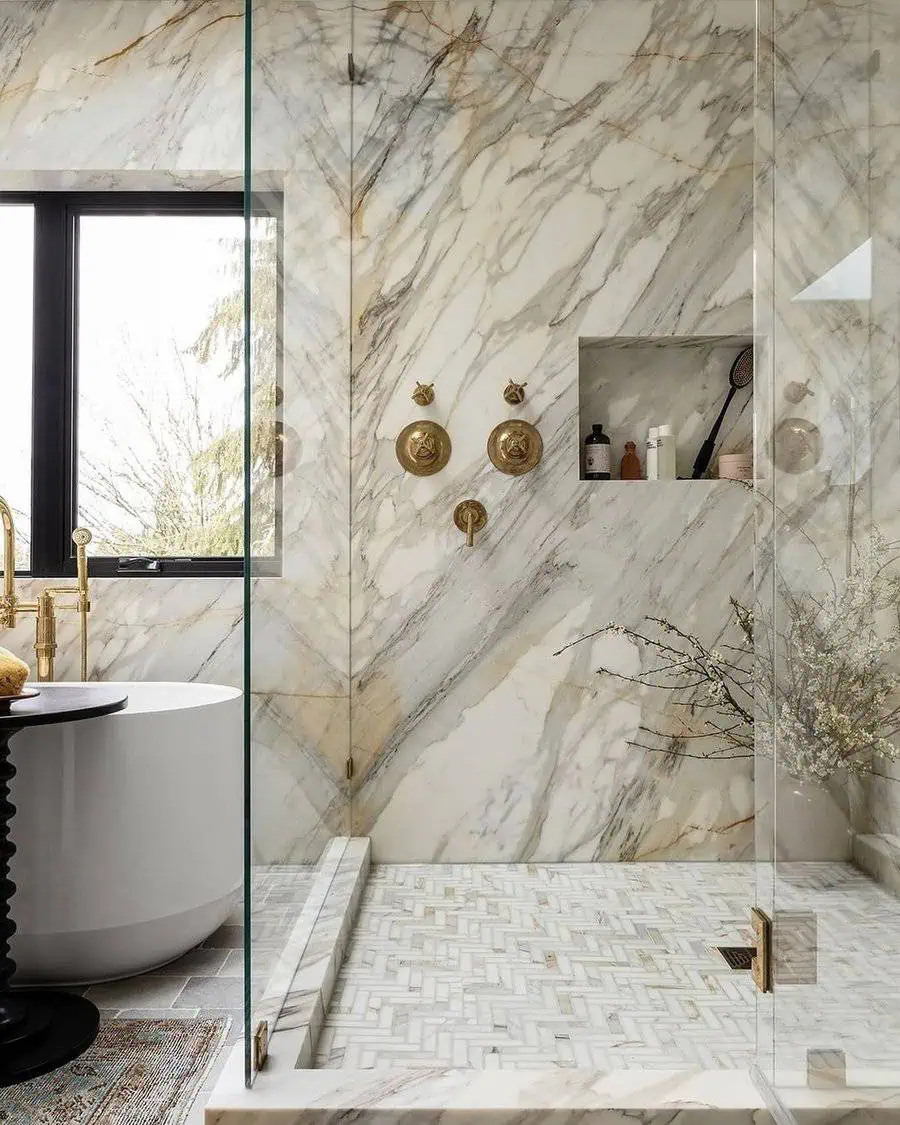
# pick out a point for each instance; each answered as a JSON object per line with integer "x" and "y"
{"x": 137, "y": 1072}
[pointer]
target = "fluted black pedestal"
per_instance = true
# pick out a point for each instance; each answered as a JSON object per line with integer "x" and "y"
{"x": 39, "y": 1029}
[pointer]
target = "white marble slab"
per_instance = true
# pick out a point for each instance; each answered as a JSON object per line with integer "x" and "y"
{"x": 324, "y": 928}
{"x": 149, "y": 95}
{"x": 724, "y": 1097}
{"x": 528, "y": 173}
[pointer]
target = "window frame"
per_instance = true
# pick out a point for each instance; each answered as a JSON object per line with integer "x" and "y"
{"x": 54, "y": 475}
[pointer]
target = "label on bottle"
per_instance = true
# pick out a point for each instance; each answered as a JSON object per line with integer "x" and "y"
{"x": 596, "y": 459}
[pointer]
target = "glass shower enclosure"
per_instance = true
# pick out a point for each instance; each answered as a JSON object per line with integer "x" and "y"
{"x": 826, "y": 405}
{"x": 562, "y": 213}
{"x": 295, "y": 580}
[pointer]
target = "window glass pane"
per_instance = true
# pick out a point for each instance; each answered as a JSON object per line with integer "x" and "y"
{"x": 16, "y": 331}
{"x": 160, "y": 380}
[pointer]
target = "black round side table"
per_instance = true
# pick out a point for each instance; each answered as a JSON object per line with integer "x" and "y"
{"x": 40, "y": 1029}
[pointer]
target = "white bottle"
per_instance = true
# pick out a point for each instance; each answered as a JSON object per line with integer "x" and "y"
{"x": 665, "y": 454}
{"x": 652, "y": 462}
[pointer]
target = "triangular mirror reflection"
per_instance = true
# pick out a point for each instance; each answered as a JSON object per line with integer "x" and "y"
{"x": 849, "y": 280}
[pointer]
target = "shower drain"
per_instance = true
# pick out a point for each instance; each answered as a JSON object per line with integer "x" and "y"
{"x": 738, "y": 956}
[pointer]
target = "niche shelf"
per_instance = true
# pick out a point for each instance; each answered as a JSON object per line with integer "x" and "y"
{"x": 630, "y": 383}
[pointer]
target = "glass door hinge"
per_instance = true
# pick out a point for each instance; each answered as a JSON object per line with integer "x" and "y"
{"x": 349, "y": 768}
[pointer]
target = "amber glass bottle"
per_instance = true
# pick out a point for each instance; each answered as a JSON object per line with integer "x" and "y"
{"x": 631, "y": 463}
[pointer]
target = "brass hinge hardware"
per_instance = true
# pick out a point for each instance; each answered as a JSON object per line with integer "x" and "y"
{"x": 349, "y": 769}
{"x": 761, "y": 966}
{"x": 260, "y": 1044}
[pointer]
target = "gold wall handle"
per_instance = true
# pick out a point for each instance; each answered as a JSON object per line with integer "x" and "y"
{"x": 423, "y": 395}
{"x": 515, "y": 447}
{"x": 470, "y": 516}
{"x": 423, "y": 448}
{"x": 514, "y": 393}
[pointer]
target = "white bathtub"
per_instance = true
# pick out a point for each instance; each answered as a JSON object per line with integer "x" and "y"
{"x": 128, "y": 833}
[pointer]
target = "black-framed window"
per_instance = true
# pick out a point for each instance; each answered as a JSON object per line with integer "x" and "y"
{"x": 127, "y": 365}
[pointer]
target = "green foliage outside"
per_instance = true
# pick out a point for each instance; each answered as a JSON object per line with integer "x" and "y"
{"x": 187, "y": 497}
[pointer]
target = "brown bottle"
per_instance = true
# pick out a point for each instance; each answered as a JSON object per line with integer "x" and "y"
{"x": 631, "y": 463}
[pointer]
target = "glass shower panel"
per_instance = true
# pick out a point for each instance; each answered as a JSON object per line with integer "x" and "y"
{"x": 296, "y": 396}
{"x": 829, "y": 581}
{"x": 765, "y": 525}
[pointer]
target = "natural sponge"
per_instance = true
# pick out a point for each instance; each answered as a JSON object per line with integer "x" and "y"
{"x": 13, "y": 673}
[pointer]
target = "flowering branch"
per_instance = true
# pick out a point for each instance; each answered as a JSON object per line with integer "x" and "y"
{"x": 820, "y": 690}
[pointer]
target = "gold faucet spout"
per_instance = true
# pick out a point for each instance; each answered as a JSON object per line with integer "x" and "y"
{"x": 8, "y": 602}
{"x": 46, "y": 605}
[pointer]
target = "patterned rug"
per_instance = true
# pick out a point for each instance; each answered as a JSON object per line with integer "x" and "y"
{"x": 137, "y": 1072}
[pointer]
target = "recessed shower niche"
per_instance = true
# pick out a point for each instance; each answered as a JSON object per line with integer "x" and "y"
{"x": 630, "y": 383}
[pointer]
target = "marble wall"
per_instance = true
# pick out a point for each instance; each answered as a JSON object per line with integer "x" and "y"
{"x": 499, "y": 180}
{"x": 140, "y": 94}
{"x": 526, "y": 174}
{"x": 826, "y": 138}
{"x": 880, "y": 818}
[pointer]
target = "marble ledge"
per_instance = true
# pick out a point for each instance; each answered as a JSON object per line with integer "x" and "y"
{"x": 878, "y": 855}
{"x": 474, "y": 1097}
{"x": 297, "y": 998}
{"x": 278, "y": 986}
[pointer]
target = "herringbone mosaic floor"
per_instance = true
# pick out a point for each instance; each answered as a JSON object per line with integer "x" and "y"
{"x": 593, "y": 965}
{"x": 601, "y": 966}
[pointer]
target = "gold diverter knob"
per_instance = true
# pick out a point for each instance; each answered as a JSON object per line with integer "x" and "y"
{"x": 423, "y": 448}
{"x": 515, "y": 447}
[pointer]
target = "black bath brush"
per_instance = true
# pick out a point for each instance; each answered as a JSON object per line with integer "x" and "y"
{"x": 740, "y": 376}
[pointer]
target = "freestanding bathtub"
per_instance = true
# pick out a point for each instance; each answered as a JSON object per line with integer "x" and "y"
{"x": 128, "y": 833}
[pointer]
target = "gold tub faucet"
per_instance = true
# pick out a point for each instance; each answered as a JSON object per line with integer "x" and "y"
{"x": 47, "y": 601}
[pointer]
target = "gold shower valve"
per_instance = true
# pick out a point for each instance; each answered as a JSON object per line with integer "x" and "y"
{"x": 515, "y": 447}
{"x": 423, "y": 448}
{"x": 470, "y": 516}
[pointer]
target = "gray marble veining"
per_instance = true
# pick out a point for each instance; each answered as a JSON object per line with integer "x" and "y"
{"x": 147, "y": 95}
{"x": 523, "y": 174}
{"x": 527, "y": 174}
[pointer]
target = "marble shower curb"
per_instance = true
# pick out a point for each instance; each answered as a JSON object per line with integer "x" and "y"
{"x": 550, "y": 1097}
{"x": 302, "y": 983}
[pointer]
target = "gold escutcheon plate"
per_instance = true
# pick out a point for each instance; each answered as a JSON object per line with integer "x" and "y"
{"x": 423, "y": 448}
{"x": 515, "y": 447}
{"x": 463, "y": 510}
